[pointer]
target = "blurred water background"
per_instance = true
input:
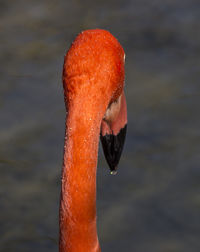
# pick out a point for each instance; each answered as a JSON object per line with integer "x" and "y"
{"x": 153, "y": 204}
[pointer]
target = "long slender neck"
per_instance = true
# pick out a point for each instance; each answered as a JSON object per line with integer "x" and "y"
{"x": 78, "y": 195}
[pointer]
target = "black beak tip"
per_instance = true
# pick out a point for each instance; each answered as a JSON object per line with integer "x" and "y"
{"x": 112, "y": 147}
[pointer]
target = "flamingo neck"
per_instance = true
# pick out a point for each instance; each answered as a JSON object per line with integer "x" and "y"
{"x": 78, "y": 194}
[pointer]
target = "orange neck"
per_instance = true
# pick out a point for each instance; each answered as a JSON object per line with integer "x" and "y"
{"x": 78, "y": 195}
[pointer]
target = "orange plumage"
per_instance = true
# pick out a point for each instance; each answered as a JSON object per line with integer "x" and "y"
{"x": 93, "y": 80}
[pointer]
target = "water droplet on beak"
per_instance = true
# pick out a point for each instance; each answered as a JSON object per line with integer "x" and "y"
{"x": 113, "y": 172}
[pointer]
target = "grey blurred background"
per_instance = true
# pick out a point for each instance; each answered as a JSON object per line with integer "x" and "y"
{"x": 153, "y": 204}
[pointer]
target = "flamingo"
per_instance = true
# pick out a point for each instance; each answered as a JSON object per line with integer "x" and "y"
{"x": 93, "y": 80}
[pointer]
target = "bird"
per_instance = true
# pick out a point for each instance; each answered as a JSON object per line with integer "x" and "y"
{"x": 93, "y": 82}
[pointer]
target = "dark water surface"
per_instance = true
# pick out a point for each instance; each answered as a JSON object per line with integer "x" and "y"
{"x": 153, "y": 204}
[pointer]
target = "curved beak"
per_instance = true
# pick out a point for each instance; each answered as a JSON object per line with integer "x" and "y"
{"x": 113, "y": 132}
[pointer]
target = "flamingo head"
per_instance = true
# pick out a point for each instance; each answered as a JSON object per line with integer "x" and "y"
{"x": 94, "y": 69}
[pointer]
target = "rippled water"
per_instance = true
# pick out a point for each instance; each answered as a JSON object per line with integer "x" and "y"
{"x": 153, "y": 203}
